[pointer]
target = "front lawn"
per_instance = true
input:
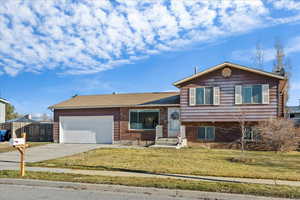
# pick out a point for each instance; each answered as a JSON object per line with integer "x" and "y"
{"x": 4, "y": 146}
{"x": 239, "y": 188}
{"x": 194, "y": 161}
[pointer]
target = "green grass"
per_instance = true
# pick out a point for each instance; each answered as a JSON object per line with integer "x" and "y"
{"x": 238, "y": 188}
{"x": 194, "y": 161}
{"x": 4, "y": 147}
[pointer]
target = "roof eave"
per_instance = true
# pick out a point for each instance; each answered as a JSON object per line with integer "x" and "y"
{"x": 114, "y": 106}
{"x": 4, "y": 101}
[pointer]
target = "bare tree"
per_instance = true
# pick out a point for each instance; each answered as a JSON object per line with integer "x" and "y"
{"x": 259, "y": 56}
{"x": 45, "y": 117}
{"x": 279, "y": 134}
{"x": 279, "y": 57}
{"x": 282, "y": 64}
{"x": 241, "y": 118}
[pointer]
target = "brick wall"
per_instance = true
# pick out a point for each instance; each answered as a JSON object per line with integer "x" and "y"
{"x": 224, "y": 131}
{"x": 121, "y": 122}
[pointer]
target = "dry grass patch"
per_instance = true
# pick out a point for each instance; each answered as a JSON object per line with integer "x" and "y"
{"x": 194, "y": 161}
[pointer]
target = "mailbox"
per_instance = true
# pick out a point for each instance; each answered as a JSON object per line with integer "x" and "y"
{"x": 17, "y": 141}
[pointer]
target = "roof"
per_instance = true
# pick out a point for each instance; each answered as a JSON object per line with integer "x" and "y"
{"x": 216, "y": 67}
{"x": 3, "y": 100}
{"x": 22, "y": 119}
{"x": 120, "y": 100}
{"x": 293, "y": 109}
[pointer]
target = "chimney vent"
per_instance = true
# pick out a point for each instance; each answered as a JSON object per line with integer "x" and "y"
{"x": 195, "y": 70}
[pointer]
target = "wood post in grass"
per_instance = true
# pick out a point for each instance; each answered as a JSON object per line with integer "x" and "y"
{"x": 20, "y": 145}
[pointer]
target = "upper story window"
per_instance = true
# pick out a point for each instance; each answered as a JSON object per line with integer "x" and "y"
{"x": 143, "y": 119}
{"x": 204, "y": 96}
{"x": 252, "y": 94}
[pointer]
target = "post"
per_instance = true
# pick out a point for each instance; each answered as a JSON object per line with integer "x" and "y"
{"x": 23, "y": 156}
{"x": 21, "y": 149}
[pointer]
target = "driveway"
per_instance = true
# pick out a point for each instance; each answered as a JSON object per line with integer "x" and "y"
{"x": 10, "y": 160}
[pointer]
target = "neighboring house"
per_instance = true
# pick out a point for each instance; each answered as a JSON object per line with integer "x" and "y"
{"x": 2, "y": 110}
{"x": 293, "y": 112}
{"x": 207, "y": 108}
{"x": 36, "y": 131}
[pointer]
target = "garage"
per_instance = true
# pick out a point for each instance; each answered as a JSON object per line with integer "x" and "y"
{"x": 86, "y": 129}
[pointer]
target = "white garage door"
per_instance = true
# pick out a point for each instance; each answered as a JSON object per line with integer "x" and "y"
{"x": 86, "y": 129}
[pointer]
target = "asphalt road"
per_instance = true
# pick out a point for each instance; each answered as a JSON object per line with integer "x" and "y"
{"x": 17, "y": 192}
{"x": 16, "y": 189}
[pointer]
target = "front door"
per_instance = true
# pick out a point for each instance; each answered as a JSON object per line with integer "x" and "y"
{"x": 173, "y": 122}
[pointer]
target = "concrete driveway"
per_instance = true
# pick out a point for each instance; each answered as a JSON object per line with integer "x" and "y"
{"x": 10, "y": 160}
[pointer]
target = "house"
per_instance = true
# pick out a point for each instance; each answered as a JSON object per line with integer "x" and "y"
{"x": 3, "y": 103}
{"x": 293, "y": 112}
{"x": 36, "y": 131}
{"x": 207, "y": 108}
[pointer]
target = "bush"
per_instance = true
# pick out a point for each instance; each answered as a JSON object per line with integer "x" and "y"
{"x": 279, "y": 134}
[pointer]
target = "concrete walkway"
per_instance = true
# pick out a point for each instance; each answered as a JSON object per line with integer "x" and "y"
{"x": 172, "y": 176}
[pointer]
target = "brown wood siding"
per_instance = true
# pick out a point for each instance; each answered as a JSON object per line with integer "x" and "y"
{"x": 115, "y": 112}
{"x": 227, "y": 110}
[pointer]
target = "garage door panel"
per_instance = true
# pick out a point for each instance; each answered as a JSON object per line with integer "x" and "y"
{"x": 86, "y": 129}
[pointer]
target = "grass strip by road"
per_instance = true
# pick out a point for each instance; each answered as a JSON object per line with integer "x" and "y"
{"x": 224, "y": 187}
{"x": 189, "y": 161}
{"x": 4, "y": 147}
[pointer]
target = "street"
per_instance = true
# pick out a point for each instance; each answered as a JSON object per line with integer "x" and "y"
{"x": 15, "y": 189}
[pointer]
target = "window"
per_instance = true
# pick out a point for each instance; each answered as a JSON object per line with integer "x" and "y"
{"x": 252, "y": 94}
{"x": 206, "y": 133}
{"x": 204, "y": 95}
{"x": 251, "y": 134}
{"x": 143, "y": 119}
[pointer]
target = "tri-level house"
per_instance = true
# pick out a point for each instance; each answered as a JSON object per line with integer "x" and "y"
{"x": 207, "y": 108}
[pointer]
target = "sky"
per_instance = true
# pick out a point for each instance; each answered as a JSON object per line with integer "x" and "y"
{"x": 51, "y": 50}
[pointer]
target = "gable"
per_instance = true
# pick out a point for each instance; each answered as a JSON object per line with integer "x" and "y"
{"x": 233, "y": 67}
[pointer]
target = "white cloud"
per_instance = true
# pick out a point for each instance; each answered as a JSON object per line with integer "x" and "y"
{"x": 92, "y": 36}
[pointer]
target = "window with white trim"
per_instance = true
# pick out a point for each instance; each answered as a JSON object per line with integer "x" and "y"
{"x": 143, "y": 119}
{"x": 206, "y": 133}
{"x": 204, "y": 96}
{"x": 251, "y": 134}
{"x": 252, "y": 94}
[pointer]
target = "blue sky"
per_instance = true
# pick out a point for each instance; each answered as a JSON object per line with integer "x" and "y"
{"x": 51, "y": 50}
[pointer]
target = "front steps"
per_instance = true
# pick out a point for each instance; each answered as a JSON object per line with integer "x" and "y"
{"x": 167, "y": 143}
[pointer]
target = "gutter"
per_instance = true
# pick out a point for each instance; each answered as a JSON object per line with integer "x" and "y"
{"x": 114, "y": 106}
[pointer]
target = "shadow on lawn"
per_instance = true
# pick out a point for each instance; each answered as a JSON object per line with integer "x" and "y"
{"x": 153, "y": 173}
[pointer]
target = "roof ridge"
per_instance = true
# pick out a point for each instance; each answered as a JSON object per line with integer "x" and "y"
{"x": 130, "y": 93}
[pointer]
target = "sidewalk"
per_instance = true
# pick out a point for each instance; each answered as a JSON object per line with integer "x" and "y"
{"x": 173, "y": 176}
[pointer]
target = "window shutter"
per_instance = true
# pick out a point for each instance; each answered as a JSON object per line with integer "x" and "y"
{"x": 216, "y": 96}
{"x": 192, "y": 96}
{"x": 265, "y": 94}
{"x": 238, "y": 94}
